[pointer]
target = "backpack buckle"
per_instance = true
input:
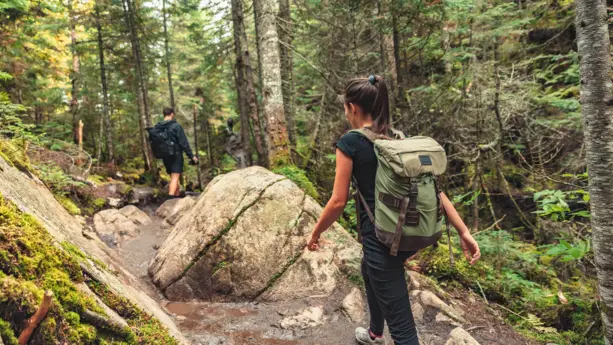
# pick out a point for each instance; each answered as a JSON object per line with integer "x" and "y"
{"x": 412, "y": 215}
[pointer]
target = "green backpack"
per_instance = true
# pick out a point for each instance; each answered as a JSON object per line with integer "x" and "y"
{"x": 408, "y": 212}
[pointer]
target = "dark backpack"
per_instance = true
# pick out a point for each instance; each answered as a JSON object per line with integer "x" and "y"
{"x": 162, "y": 141}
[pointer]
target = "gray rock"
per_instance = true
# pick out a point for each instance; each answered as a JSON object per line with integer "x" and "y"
{"x": 353, "y": 306}
{"x": 115, "y": 226}
{"x": 115, "y": 202}
{"x": 429, "y": 300}
{"x": 263, "y": 219}
{"x": 311, "y": 317}
{"x": 32, "y": 197}
{"x": 460, "y": 337}
{"x": 172, "y": 210}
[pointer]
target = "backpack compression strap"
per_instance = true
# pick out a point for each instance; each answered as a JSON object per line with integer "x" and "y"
{"x": 359, "y": 199}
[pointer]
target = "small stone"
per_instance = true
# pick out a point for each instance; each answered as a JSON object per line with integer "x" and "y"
{"x": 156, "y": 246}
{"x": 353, "y": 306}
{"x": 460, "y": 337}
{"x": 311, "y": 317}
{"x": 114, "y": 202}
{"x": 442, "y": 318}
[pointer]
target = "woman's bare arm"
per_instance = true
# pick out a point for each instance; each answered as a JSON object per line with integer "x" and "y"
{"x": 469, "y": 245}
{"x": 340, "y": 194}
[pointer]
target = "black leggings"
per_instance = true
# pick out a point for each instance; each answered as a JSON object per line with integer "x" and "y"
{"x": 387, "y": 293}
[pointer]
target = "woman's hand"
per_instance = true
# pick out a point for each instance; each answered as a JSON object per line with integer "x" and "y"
{"x": 470, "y": 247}
{"x": 313, "y": 241}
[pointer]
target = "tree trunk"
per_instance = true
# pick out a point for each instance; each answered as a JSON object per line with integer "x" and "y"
{"x": 106, "y": 123}
{"x": 141, "y": 93}
{"x": 207, "y": 133}
{"x": 261, "y": 120}
{"x": 74, "y": 102}
{"x": 253, "y": 108}
{"x": 196, "y": 146}
{"x": 388, "y": 58}
{"x": 241, "y": 83}
{"x": 167, "y": 56}
{"x": 274, "y": 112}
{"x": 597, "y": 100}
{"x": 285, "y": 27}
{"x": 396, "y": 68}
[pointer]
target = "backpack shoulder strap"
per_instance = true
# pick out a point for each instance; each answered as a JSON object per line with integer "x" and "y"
{"x": 398, "y": 134}
{"x": 369, "y": 134}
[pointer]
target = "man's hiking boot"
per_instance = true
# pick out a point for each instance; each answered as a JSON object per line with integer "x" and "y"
{"x": 362, "y": 335}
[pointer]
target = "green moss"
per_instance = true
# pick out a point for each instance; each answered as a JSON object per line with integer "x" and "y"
{"x": 6, "y": 333}
{"x": 299, "y": 177}
{"x": 30, "y": 263}
{"x": 14, "y": 153}
{"x": 68, "y": 204}
{"x": 99, "y": 203}
{"x": 147, "y": 329}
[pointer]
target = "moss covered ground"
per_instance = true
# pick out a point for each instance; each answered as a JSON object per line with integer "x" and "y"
{"x": 31, "y": 261}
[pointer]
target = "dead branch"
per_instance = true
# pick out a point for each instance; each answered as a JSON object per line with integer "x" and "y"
{"x": 100, "y": 321}
{"x": 33, "y": 322}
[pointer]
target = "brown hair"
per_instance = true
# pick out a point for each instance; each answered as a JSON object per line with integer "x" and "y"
{"x": 371, "y": 95}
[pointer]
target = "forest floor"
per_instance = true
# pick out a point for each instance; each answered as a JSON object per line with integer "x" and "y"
{"x": 252, "y": 323}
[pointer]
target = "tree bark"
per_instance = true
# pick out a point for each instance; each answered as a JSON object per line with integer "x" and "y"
{"x": 241, "y": 83}
{"x": 106, "y": 128}
{"x": 274, "y": 112}
{"x": 141, "y": 92}
{"x": 396, "y": 67}
{"x": 74, "y": 77}
{"x": 261, "y": 120}
{"x": 285, "y": 27}
{"x": 388, "y": 58}
{"x": 196, "y": 145}
{"x": 597, "y": 100}
{"x": 167, "y": 55}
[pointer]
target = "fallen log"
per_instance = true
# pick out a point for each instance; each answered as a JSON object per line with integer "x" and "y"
{"x": 33, "y": 322}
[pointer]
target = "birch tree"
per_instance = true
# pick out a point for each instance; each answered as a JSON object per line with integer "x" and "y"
{"x": 270, "y": 61}
{"x": 596, "y": 100}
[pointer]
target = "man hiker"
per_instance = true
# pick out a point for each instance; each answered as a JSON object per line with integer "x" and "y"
{"x": 168, "y": 142}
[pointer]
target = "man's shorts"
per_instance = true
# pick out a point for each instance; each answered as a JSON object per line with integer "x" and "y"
{"x": 174, "y": 164}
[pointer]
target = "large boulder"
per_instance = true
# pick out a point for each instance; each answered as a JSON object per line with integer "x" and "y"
{"x": 115, "y": 226}
{"x": 244, "y": 239}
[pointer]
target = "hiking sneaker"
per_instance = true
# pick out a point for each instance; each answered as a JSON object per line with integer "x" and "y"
{"x": 362, "y": 335}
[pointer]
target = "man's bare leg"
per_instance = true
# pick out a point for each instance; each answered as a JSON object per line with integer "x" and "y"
{"x": 173, "y": 186}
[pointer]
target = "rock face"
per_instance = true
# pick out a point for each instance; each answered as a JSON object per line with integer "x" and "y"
{"x": 172, "y": 210}
{"x": 115, "y": 226}
{"x": 353, "y": 306}
{"x": 310, "y": 317}
{"x": 244, "y": 239}
{"x": 32, "y": 197}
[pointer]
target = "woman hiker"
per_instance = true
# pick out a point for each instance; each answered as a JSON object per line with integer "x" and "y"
{"x": 367, "y": 106}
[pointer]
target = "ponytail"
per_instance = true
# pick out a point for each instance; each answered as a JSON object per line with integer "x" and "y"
{"x": 372, "y": 96}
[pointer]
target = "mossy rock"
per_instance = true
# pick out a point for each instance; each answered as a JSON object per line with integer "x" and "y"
{"x": 31, "y": 263}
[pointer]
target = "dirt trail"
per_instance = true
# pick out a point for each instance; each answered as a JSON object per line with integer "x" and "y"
{"x": 231, "y": 323}
{"x": 259, "y": 323}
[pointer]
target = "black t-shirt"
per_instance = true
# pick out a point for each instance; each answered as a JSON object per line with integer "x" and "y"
{"x": 361, "y": 151}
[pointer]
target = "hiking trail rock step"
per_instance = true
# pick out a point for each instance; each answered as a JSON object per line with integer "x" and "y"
{"x": 244, "y": 240}
{"x": 116, "y": 226}
{"x": 172, "y": 210}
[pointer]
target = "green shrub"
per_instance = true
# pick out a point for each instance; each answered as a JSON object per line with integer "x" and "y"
{"x": 298, "y": 176}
